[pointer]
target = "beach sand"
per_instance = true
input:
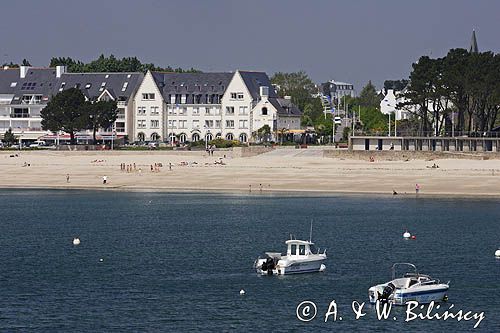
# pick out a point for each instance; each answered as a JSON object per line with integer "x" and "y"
{"x": 287, "y": 170}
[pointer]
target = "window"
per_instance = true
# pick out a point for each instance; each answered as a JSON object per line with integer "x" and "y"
{"x": 196, "y": 111}
{"x": 141, "y": 123}
{"x": 182, "y": 138}
{"x": 229, "y": 123}
{"x": 20, "y": 113}
{"x": 243, "y": 138}
{"x": 243, "y": 123}
{"x": 196, "y": 124}
{"x": 302, "y": 250}
{"x": 182, "y": 123}
{"x": 13, "y": 84}
{"x": 183, "y": 111}
{"x": 106, "y": 76}
{"x": 209, "y": 123}
{"x": 264, "y": 111}
{"x": 125, "y": 85}
{"x": 218, "y": 124}
{"x": 183, "y": 99}
{"x": 102, "y": 84}
{"x": 229, "y": 136}
{"x": 293, "y": 249}
{"x": 195, "y": 137}
{"x": 155, "y": 137}
{"x": 155, "y": 123}
{"x": 217, "y": 111}
{"x": 148, "y": 96}
{"x": 141, "y": 110}
{"x": 240, "y": 96}
{"x": 243, "y": 110}
{"x": 207, "y": 111}
{"x": 141, "y": 136}
{"x": 230, "y": 110}
{"x": 88, "y": 85}
{"x": 154, "y": 111}
{"x": 172, "y": 99}
{"x": 172, "y": 123}
{"x": 233, "y": 95}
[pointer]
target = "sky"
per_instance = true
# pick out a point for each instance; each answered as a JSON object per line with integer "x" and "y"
{"x": 351, "y": 41}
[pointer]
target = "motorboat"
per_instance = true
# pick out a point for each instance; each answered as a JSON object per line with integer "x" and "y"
{"x": 301, "y": 257}
{"x": 413, "y": 286}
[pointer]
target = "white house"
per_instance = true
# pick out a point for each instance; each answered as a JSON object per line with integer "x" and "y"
{"x": 389, "y": 103}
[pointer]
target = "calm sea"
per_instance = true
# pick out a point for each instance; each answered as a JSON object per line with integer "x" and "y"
{"x": 176, "y": 262}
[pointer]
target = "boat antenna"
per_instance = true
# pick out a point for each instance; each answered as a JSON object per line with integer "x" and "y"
{"x": 311, "y": 232}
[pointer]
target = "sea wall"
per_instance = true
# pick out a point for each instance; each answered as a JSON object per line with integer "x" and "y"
{"x": 387, "y": 155}
{"x": 250, "y": 151}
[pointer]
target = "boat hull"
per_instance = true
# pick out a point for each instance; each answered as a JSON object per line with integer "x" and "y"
{"x": 289, "y": 268}
{"x": 421, "y": 295}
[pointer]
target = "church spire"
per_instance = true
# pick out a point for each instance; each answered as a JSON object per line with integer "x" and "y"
{"x": 473, "y": 43}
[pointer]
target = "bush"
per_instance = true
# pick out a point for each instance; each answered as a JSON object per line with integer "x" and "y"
{"x": 221, "y": 143}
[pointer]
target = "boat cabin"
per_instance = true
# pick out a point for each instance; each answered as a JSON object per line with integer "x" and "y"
{"x": 299, "y": 248}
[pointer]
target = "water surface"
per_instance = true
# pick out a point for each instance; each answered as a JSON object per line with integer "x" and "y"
{"x": 176, "y": 262}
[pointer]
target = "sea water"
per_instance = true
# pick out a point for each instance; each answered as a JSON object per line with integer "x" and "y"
{"x": 169, "y": 262}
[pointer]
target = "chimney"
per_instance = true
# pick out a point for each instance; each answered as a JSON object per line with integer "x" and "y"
{"x": 23, "y": 70}
{"x": 264, "y": 91}
{"x": 60, "y": 70}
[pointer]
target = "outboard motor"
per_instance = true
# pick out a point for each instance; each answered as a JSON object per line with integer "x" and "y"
{"x": 269, "y": 266}
{"x": 387, "y": 292}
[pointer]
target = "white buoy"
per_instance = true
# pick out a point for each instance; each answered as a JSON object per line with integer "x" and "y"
{"x": 76, "y": 241}
{"x": 497, "y": 253}
{"x": 101, "y": 260}
{"x": 242, "y": 292}
{"x": 406, "y": 234}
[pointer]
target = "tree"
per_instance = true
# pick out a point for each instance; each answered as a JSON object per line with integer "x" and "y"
{"x": 66, "y": 111}
{"x": 368, "y": 96}
{"x": 25, "y": 63}
{"x": 396, "y": 85}
{"x": 101, "y": 114}
{"x": 263, "y": 133}
{"x": 9, "y": 137}
{"x": 297, "y": 85}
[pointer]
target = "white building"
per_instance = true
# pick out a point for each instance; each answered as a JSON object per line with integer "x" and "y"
{"x": 188, "y": 107}
{"x": 336, "y": 89}
{"x": 25, "y": 91}
{"x": 389, "y": 103}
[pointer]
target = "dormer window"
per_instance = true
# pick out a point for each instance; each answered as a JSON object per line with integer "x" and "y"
{"x": 103, "y": 84}
{"x": 264, "y": 111}
{"x": 124, "y": 87}
{"x": 107, "y": 75}
{"x": 128, "y": 76}
{"x": 13, "y": 84}
{"x": 88, "y": 85}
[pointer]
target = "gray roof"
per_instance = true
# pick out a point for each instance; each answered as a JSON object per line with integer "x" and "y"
{"x": 285, "y": 107}
{"x": 255, "y": 80}
{"x": 195, "y": 85}
{"x": 91, "y": 84}
{"x": 43, "y": 81}
{"x": 39, "y": 81}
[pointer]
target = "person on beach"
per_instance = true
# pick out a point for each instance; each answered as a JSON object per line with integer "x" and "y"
{"x": 67, "y": 178}
{"x": 104, "y": 180}
{"x": 169, "y": 166}
{"x": 417, "y": 188}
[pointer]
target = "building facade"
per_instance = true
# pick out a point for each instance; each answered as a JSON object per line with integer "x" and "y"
{"x": 25, "y": 91}
{"x": 189, "y": 107}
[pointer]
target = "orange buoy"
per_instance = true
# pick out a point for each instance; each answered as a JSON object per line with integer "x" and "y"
{"x": 413, "y": 237}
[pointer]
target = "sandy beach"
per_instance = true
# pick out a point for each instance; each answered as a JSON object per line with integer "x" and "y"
{"x": 288, "y": 170}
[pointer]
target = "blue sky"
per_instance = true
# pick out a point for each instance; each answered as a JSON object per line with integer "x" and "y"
{"x": 352, "y": 41}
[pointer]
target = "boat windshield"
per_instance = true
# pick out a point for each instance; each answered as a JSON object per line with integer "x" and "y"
{"x": 313, "y": 249}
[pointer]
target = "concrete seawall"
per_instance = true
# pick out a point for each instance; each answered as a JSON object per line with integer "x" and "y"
{"x": 408, "y": 155}
{"x": 250, "y": 151}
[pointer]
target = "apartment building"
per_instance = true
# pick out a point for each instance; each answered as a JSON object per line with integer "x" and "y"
{"x": 188, "y": 107}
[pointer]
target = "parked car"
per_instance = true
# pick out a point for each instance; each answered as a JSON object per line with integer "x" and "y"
{"x": 38, "y": 144}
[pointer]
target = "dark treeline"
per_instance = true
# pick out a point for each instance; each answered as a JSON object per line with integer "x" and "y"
{"x": 106, "y": 64}
{"x": 462, "y": 85}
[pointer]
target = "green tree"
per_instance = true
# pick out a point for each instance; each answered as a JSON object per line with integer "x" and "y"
{"x": 25, "y": 63}
{"x": 9, "y": 137}
{"x": 297, "y": 85}
{"x": 66, "y": 111}
{"x": 263, "y": 133}
{"x": 368, "y": 96}
{"x": 101, "y": 114}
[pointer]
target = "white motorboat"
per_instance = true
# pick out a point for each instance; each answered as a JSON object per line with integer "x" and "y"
{"x": 411, "y": 287}
{"x": 301, "y": 257}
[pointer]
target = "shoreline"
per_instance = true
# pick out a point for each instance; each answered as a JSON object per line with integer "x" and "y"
{"x": 236, "y": 191}
{"x": 282, "y": 171}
